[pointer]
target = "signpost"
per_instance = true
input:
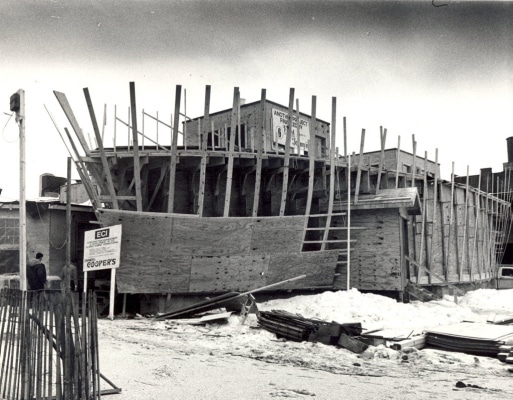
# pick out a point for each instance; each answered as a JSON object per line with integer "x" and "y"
{"x": 102, "y": 248}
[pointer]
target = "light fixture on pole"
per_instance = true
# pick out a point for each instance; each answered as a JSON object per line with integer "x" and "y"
{"x": 17, "y": 105}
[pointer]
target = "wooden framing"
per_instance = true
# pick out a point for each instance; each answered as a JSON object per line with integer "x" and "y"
{"x": 210, "y": 227}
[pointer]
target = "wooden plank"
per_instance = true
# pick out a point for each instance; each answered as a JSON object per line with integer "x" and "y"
{"x": 464, "y": 258}
{"x": 63, "y": 101}
{"x": 229, "y": 172}
{"x": 312, "y": 151}
{"x": 359, "y": 171}
{"x": 174, "y": 153}
{"x": 397, "y": 162}
{"x": 286, "y": 159}
{"x": 82, "y": 172}
{"x": 203, "y": 165}
{"x": 259, "y": 149}
{"x": 105, "y": 163}
{"x": 137, "y": 167}
{"x": 331, "y": 194}
{"x": 228, "y": 273}
{"x": 383, "y": 138}
{"x": 414, "y": 166}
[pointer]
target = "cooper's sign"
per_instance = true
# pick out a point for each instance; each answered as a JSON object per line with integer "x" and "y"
{"x": 102, "y": 248}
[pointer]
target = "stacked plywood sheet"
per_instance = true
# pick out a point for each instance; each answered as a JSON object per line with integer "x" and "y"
{"x": 470, "y": 337}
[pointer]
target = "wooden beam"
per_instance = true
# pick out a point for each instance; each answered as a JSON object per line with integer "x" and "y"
{"x": 259, "y": 147}
{"x": 82, "y": 172}
{"x": 63, "y": 101}
{"x": 137, "y": 167}
{"x": 475, "y": 247}
{"x": 332, "y": 170}
{"x": 174, "y": 152}
{"x": 359, "y": 171}
{"x": 105, "y": 163}
{"x": 397, "y": 162}
{"x": 423, "y": 223}
{"x": 464, "y": 243}
{"x": 229, "y": 172}
{"x": 440, "y": 278}
{"x": 383, "y": 139}
{"x": 286, "y": 159}
{"x": 203, "y": 166}
{"x": 312, "y": 151}
{"x": 413, "y": 172}
{"x": 163, "y": 171}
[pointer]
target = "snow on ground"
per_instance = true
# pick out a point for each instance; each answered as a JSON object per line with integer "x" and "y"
{"x": 158, "y": 341}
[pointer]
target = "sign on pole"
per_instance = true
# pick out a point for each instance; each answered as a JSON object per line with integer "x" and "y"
{"x": 102, "y": 249}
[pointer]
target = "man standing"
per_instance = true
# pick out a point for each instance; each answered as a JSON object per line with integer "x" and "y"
{"x": 36, "y": 273}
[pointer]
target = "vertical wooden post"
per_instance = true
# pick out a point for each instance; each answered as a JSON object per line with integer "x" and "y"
{"x": 435, "y": 214}
{"x": 359, "y": 171}
{"x": 174, "y": 152}
{"x": 332, "y": 171}
{"x": 286, "y": 160}
{"x": 465, "y": 218}
{"x": 137, "y": 167}
{"x": 259, "y": 147}
{"x": 68, "y": 225}
{"x": 475, "y": 246}
{"x": 383, "y": 138}
{"x": 312, "y": 151}
{"x": 398, "y": 163}
{"x": 348, "y": 258}
{"x": 298, "y": 138}
{"x": 203, "y": 166}
{"x": 229, "y": 173}
{"x": 414, "y": 166}
{"x": 423, "y": 224}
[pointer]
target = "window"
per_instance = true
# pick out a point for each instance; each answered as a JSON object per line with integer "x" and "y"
{"x": 9, "y": 231}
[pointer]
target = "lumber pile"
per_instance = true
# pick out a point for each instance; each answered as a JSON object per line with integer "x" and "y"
{"x": 506, "y": 354}
{"x": 471, "y": 337}
{"x": 297, "y": 328}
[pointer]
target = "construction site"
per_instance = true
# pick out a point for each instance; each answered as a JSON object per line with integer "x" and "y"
{"x": 247, "y": 197}
{"x": 257, "y": 198}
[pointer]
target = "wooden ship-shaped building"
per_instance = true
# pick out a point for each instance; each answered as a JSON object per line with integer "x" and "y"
{"x": 259, "y": 193}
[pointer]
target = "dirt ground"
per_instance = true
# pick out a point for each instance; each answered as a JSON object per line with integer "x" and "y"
{"x": 158, "y": 360}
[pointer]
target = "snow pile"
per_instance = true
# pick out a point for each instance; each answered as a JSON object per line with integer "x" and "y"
{"x": 373, "y": 310}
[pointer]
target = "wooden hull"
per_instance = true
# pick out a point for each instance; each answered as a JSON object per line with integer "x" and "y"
{"x": 164, "y": 253}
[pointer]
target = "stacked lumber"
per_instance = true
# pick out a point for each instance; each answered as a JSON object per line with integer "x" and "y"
{"x": 472, "y": 338}
{"x": 297, "y": 328}
{"x": 506, "y": 354}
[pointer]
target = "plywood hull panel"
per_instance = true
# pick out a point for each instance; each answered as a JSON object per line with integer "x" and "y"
{"x": 164, "y": 253}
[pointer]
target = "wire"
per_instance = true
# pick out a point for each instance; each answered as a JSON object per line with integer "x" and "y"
{"x": 5, "y": 126}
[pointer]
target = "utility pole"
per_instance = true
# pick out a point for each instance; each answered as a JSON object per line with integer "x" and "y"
{"x": 17, "y": 103}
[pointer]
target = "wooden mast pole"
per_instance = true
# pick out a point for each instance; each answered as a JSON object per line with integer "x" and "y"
{"x": 137, "y": 166}
{"x": 383, "y": 138}
{"x": 174, "y": 152}
{"x": 312, "y": 150}
{"x": 332, "y": 171}
{"x": 286, "y": 160}
{"x": 259, "y": 149}
{"x": 203, "y": 166}
{"x": 229, "y": 172}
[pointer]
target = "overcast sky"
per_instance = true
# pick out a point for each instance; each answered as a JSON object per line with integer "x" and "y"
{"x": 443, "y": 74}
